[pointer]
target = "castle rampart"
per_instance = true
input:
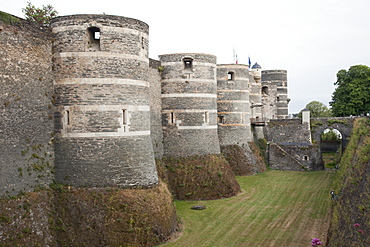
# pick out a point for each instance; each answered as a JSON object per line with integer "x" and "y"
{"x": 27, "y": 129}
{"x": 156, "y": 107}
{"x": 114, "y": 109}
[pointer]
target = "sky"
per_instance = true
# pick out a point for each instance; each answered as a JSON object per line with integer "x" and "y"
{"x": 312, "y": 40}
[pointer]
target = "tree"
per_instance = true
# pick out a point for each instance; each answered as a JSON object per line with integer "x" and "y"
{"x": 352, "y": 94}
{"x": 330, "y": 135}
{"x": 40, "y": 15}
{"x": 317, "y": 109}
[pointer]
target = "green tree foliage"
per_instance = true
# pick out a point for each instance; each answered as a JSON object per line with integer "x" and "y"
{"x": 317, "y": 109}
{"x": 40, "y": 15}
{"x": 330, "y": 135}
{"x": 352, "y": 95}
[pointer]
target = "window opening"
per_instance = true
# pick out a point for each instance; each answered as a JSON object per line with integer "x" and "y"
{"x": 188, "y": 63}
{"x": 124, "y": 117}
{"x": 172, "y": 117}
{"x": 265, "y": 90}
{"x": 206, "y": 117}
{"x": 230, "y": 76}
{"x": 94, "y": 33}
{"x": 125, "y": 120}
{"x": 305, "y": 157}
{"x": 94, "y": 36}
{"x": 221, "y": 119}
{"x": 68, "y": 118}
{"x": 142, "y": 42}
{"x": 278, "y": 98}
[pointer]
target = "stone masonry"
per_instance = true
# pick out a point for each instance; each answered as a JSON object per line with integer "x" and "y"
{"x": 189, "y": 108}
{"x": 102, "y": 103}
{"x": 84, "y": 95}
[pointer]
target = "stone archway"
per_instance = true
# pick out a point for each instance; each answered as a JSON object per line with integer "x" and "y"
{"x": 331, "y": 147}
{"x": 343, "y": 124}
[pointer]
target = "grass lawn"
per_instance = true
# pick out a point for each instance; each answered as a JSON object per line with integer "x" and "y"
{"x": 276, "y": 208}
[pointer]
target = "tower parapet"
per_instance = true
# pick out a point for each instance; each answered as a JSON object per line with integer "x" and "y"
{"x": 102, "y": 102}
{"x": 189, "y": 108}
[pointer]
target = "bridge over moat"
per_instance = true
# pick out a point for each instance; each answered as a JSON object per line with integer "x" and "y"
{"x": 343, "y": 124}
{"x": 296, "y": 144}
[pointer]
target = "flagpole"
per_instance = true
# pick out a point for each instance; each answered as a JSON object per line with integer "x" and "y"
{"x": 233, "y": 54}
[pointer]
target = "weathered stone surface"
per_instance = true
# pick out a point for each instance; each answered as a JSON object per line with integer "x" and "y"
{"x": 189, "y": 108}
{"x": 26, "y": 122}
{"x": 102, "y": 98}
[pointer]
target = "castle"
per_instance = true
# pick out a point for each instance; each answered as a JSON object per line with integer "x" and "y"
{"x": 85, "y": 105}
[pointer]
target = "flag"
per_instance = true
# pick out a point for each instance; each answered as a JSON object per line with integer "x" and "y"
{"x": 236, "y": 59}
{"x": 249, "y": 62}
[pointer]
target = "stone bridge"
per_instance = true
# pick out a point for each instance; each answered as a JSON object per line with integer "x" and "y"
{"x": 343, "y": 124}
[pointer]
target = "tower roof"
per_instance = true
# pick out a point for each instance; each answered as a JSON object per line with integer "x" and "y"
{"x": 256, "y": 66}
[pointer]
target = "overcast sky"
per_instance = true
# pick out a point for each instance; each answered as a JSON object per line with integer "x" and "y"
{"x": 312, "y": 40}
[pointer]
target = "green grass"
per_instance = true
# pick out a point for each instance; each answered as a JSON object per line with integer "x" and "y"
{"x": 276, "y": 208}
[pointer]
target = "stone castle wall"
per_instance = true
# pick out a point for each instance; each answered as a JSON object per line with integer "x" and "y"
{"x": 102, "y": 103}
{"x": 288, "y": 131}
{"x": 26, "y": 106}
{"x": 155, "y": 107}
{"x": 109, "y": 107}
{"x": 296, "y": 157}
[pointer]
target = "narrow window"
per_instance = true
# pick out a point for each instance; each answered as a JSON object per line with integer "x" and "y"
{"x": 125, "y": 120}
{"x": 172, "y": 117}
{"x": 220, "y": 119}
{"x": 124, "y": 117}
{"x": 142, "y": 43}
{"x": 188, "y": 63}
{"x": 305, "y": 157}
{"x": 94, "y": 37}
{"x": 206, "y": 117}
{"x": 230, "y": 76}
{"x": 68, "y": 119}
{"x": 278, "y": 99}
{"x": 265, "y": 90}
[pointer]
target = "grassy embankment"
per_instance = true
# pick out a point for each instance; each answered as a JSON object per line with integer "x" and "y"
{"x": 352, "y": 186}
{"x": 276, "y": 208}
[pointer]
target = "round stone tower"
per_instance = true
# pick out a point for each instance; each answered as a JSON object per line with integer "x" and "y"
{"x": 233, "y": 104}
{"x": 275, "y": 88}
{"x": 102, "y": 102}
{"x": 189, "y": 107}
{"x": 255, "y": 92}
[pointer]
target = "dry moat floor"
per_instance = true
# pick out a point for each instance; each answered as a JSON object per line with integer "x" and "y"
{"x": 276, "y": 208}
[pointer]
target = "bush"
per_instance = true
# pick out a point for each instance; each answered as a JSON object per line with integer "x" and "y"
{"x": 40, "y": 15}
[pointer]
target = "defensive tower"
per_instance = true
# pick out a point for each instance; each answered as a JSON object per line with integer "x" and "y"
{"x": 189, "y": 107}
{"x": 233, "y": 104}
{"x": 102, "y": 120}
{"x": 255, "y": 92}
{"x": 275, "y": 93}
